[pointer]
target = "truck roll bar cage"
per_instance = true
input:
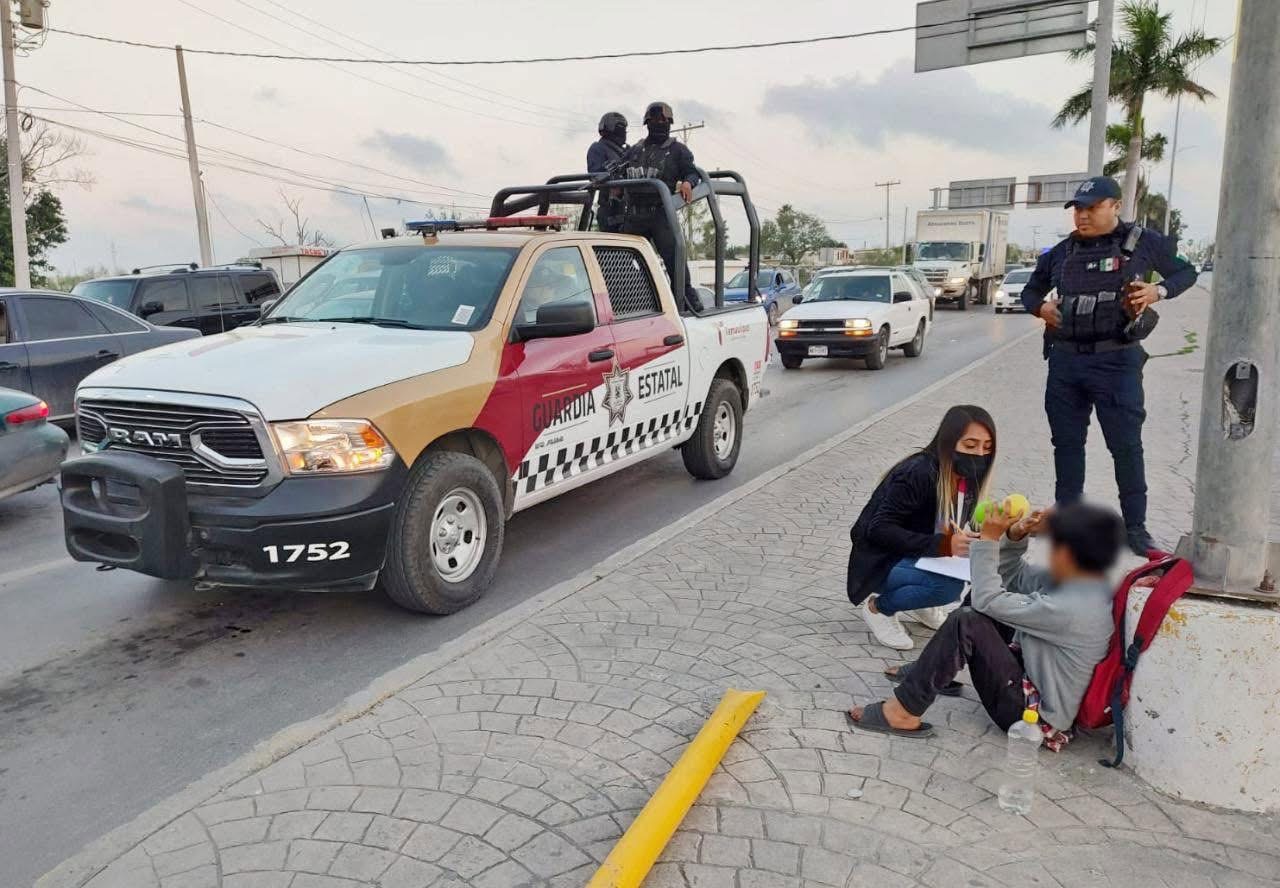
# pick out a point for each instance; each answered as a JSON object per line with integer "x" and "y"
{"x": 582, "y": 188}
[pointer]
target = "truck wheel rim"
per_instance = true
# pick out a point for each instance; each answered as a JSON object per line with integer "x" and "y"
{"x": 724, "y": 430}
{"x": 884, "y": 346}
{"x": 919, "y": 340}
{"x": 458, "y": 535}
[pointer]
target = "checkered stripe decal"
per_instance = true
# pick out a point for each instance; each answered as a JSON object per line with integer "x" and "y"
{"x": 544, "y": 471}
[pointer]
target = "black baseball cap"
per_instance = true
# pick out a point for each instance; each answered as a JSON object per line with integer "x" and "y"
{"x": 1093, "y": 190}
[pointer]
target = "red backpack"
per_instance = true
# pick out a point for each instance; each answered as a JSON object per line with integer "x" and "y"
{"x": 1108, "y": 692}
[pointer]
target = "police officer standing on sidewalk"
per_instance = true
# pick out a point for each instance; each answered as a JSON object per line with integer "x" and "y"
{"x": 660, "y": 156}
{"x": 603, "y": 153}
{"x": 1093, "y": 333}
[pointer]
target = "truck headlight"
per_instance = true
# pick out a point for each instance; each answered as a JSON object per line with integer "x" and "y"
{"x": 785, "y": 324}
{"x": 857, "y": 324}
{"x": 957, "y": 280}
{"x": 332, "y": 446}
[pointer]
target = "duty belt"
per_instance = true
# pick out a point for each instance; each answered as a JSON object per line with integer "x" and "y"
{"x": 1089, "y": 348}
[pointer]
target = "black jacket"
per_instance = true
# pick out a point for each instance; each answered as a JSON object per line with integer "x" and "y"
{"x": 899, "y": 521}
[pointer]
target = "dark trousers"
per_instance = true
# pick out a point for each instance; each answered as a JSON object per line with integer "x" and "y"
{"x": 1110, "y": 383}
{"x": 971, "y": 639}
{"x": 653, "y": 225}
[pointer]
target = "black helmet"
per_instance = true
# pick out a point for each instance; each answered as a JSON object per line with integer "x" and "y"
{"x": 658, "y": 112}
{"x": 611, "y": 121}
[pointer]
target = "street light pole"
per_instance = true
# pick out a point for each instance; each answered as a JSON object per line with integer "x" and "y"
{"x": 1173, "y": 159}
{"x": 1228, "y": 544}
{"x": 1101, "y": 86}
{"x": 13, "y": 146}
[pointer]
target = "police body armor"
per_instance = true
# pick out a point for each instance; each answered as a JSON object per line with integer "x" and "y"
{"x": 611, "y": 204}
{"x": 648, "y": 161}
{"x": 1091, "y": 293}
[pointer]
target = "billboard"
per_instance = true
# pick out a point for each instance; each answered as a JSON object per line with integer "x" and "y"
{"x": 1053, "y": 190}
{"x": 975, "y": 193}
{"x": 951, "y": 33}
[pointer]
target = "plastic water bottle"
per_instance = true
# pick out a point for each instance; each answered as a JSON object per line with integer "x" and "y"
{"x": 1018, "y": 787}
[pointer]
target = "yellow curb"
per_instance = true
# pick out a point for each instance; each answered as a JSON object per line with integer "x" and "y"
{"x": 634, "y": 855}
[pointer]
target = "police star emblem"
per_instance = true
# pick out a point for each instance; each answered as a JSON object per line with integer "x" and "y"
{"x": 617, "y": 393}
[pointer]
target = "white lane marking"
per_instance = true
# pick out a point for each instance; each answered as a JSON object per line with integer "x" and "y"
{"x": 33, "y": 570}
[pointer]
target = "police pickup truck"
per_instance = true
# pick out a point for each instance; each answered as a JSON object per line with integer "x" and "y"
{"x": 395, "y": 407}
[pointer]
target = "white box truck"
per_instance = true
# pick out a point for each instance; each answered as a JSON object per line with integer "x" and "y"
{"x": 289, "y": 263}
{"x": 962, "y": 253}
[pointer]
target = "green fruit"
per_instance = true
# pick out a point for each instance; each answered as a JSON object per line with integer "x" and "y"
{"x": 980, "y": 511}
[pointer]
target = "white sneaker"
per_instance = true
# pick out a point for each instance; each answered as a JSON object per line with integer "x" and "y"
{"x": 887, "y": 630}
{"x": 933, "y": 617}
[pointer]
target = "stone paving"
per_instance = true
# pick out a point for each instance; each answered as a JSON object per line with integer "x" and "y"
{"x": 521, "y": 762}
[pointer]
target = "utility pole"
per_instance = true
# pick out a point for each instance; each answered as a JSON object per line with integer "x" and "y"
{"x": 193, "y": 161}
{"x": 688, "y": 214}
{"x": 1101, "y": 88}
{"x": 1228, "y": 544}
{"x": 1035, "y": 240}
{"x": 13, "y": 143}
{"x": 1173, "y": 159}
{"x": 887, "y": 216}
{"x": 904, "y": 234}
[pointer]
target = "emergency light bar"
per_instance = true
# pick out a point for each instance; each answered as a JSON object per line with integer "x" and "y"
{"x": 432, "y": 226}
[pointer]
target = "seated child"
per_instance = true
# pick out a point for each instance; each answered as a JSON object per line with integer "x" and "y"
{"x": 1031, "y": 637}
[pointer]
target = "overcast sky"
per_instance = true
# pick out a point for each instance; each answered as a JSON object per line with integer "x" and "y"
{"x": 814, "y": 126}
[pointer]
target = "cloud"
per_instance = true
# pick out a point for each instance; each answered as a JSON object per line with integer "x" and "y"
{"x": 146, "y": 205}
{"x": 945, "y": 106}
{"x": 693, "y": 111}
{"x": 411, "y": 150}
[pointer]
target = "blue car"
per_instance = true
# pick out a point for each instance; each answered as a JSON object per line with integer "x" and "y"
{"x": 774, "y": 285}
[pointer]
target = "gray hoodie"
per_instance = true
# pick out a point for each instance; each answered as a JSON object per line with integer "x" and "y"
{"x": 1064, "y": 630}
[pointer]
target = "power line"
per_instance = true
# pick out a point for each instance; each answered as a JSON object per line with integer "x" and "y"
{"x": 234, "y": 227}
{"x": 651, "y": 53}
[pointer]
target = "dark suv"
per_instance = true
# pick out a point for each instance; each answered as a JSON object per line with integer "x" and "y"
{"x": 211, "y": 300}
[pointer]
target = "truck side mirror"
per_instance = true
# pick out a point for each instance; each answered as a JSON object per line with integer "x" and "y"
{"x": 266, "y": 305}
{"x": 559, "y": 319}
{"x": 901, "y": 296}
{"x": 797, "y": 299}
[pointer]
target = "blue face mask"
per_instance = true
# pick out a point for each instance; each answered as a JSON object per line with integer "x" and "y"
{"x": 971, "y": 466}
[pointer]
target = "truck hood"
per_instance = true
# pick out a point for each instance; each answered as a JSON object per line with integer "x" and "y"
{"x": 837, "y": 310}
{"x": 289, "y": 371}
{"x": 927, "y": 265}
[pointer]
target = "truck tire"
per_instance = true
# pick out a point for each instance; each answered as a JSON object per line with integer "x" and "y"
{"x": 876, "y": 360}
{"x": 712, "y": 452}
{"x": 792, "y": 362}
{"x": 773, "y": 313}
{"x": 915, "y": 347}
{"x": 446, "y": 535}
{"x": 963, "y": 302}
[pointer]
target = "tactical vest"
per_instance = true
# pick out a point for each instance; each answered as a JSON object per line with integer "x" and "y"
{"x": 1091, "y": 288}
{"x": 648, "y": 161}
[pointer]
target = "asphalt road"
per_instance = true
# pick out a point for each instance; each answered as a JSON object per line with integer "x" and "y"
{"x": 117, "y": 690}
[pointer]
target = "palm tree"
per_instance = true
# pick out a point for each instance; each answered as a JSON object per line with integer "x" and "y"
{"x": 1146, "y": 59}
{"x": 1118, "y": 137}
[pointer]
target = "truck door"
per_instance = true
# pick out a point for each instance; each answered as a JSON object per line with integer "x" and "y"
{"x": 164, "y": 301}
{"x": 14, "y": 372}
{"x": 649, "y": 382}
{"x": 561, "y": 379}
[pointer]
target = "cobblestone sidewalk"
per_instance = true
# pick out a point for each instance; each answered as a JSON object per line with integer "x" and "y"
{"x": 521, "y": 762}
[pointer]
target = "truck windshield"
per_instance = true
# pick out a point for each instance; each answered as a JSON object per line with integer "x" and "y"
{"x": 863, "y": 288}
{"x": 117, "y": 293}
{"x": 739, "y": 280}
{"x": 419, "y": 287}
{"x": 946, "y": 250}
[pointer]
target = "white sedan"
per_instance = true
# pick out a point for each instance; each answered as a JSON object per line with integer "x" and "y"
{"x": 860, "y": 313}
{"x": 1009, "y": 294}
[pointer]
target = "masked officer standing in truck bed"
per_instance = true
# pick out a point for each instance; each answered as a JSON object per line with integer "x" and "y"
{"x": 660, "y": 156}
{"x": 1093, "y": 333}
{"x": 603, "y": 153}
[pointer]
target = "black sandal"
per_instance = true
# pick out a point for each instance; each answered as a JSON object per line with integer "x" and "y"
{"x": 952, "y": 689}
{"x": 873, "y": 720}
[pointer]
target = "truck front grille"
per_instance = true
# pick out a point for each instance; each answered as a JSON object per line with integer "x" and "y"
{"x": 212, "y": 446}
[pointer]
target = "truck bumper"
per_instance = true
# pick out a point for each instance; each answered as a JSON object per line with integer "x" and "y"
{"x": 836, "y": 346}
{"x": 130, "y": 511}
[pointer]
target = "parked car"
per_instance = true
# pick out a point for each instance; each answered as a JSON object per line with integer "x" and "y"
{"x": 1208, "y": 265}
{"x": 776, "y": 286}
{"x": 51, "y": 341}
{"x": 31, "y": 449}
{"x": 1009, "y": 293}
{"x": 211, "y": 300}
{"x": 860, "y": 313}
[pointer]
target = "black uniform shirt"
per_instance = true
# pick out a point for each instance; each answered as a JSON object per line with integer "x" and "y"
{"x": 1153, "y": 252}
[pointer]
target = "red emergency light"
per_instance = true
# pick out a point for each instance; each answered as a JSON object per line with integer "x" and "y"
{"x": 526, "y": 221}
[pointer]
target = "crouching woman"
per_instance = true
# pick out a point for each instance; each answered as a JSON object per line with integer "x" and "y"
{"x": 920, "y": 509}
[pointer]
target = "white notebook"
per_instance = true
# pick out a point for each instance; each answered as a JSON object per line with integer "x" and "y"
{"x": 951, "y": 566}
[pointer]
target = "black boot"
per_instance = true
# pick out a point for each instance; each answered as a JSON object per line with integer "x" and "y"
{"x": 1140, "y": 542}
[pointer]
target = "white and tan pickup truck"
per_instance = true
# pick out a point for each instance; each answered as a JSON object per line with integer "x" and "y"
{"x": 397, "y": 405}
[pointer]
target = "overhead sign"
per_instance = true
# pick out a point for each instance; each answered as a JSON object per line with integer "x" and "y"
{"x": 1054, "y": 190}
{"x": 978, "y": 193}
{"x": 951, "y": 33}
